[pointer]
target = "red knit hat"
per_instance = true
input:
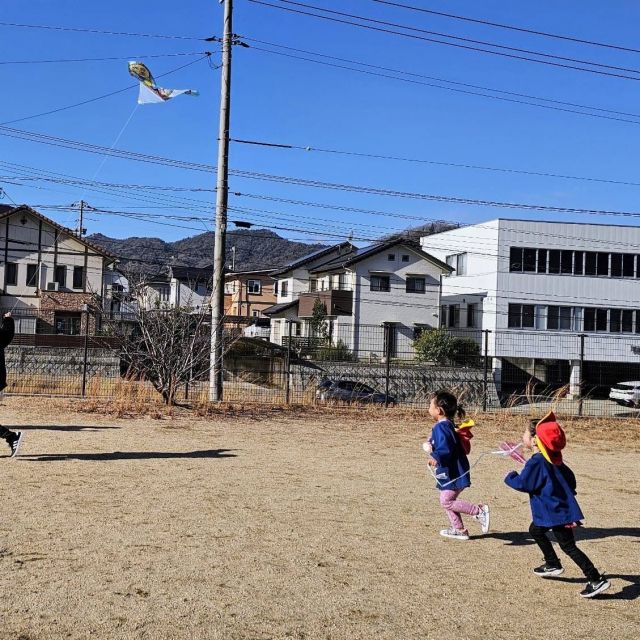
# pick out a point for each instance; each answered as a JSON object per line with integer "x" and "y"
{"x": 551, "y": 438}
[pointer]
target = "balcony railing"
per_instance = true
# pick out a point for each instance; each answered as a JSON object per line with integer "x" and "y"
{"x": 338, "y": 302}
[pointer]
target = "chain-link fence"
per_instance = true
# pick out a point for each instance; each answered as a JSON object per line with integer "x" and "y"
{"x": 70, "y": 353}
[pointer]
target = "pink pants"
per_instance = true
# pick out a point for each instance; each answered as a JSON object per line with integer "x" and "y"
{"x": 454, "y": 507}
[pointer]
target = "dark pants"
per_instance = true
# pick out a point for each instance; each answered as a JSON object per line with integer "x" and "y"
{"x": 6, "y": 434}
{"x": 567, "y": 543}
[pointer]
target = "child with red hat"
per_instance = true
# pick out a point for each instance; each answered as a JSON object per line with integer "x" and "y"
{"x": 551, "y": 486}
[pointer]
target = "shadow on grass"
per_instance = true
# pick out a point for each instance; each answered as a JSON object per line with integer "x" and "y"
{"x": 131, "y": 455}
{"x": 57, "y": 427}
{"x": 521, "y": 538}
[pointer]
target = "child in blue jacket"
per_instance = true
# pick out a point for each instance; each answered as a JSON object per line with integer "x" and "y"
{"x": 551, "y": 486}
{"x": 449, "y": 459}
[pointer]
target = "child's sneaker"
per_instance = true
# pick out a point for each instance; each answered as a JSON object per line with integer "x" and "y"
{"x": 456, "y": 534}
{"x": 15, "y": 443}
{"x": 594, "y": 588}
{"x": 483, "y": 518}
{"x": 548, "y": 570}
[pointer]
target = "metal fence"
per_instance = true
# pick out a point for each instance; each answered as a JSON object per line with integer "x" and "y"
{"x": 79, "y": 354}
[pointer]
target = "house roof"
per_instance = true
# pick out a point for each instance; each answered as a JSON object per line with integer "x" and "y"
{"x": 300, "y": 262}
{"x": 362, "y": 254}
{"x": 278, "y": 308}
{"x": 191, "y": 273}
{"x": 231, "y": 275}
{"x": 5, "y": 212}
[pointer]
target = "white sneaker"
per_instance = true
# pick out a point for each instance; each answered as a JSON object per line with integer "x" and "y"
{"x": 484, "y": 518}
{"x": 456, "y": 534}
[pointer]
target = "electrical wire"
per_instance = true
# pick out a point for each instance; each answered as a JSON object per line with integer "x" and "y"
{"x": 542, "y": 54}
{"x": 107, "y": 59}
{"x": 414, "y": 36}
{"x": 510, "y": 27}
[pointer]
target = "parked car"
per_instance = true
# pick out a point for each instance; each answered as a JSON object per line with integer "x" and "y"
{"x": 350, "y": 391}
{"x": 626, "y": 393}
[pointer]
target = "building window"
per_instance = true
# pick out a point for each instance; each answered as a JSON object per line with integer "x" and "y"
{"x": 628, "y": 265}
{"x": 515, "y": 259}
{"x": 589, "y": 263}
{"x": 342, "y": 282}
{"x": 284, "y": 289}
{"x": 472, "y": 313}
{"x": 379, "y": 283}
{"x": 11, "y": 275}
{"x": 603, "y": 264}
{"x": 60, "y": 275}
{"x": 67, "y": 323}
{"x": 405, "y": 257}
{"x": 391, "y": 257}
{"x": 529, "y": 260}
{"x": 554, "y": 261}
{"x": 542, "y": 261}
{"x": 521, "y": 316}
{"x": 627, "y": 321}
{"x": 415, "y": 285}
{"x": 255, "y": 314}
{"x": 32, "y": 275}
{"x": 458, "y": 262}
{"x": 454, "y": 315}
{"x": 313, "y": 285}
{"x": 616, "y": 265}
{"x": 566, "y": 262}
{"x": 78, "y": 277}
{"x": 559, "y": 318}
{"x": 164, "y": 292}
{"x": 578, "y": 263}
{"x": 254, "y": 287}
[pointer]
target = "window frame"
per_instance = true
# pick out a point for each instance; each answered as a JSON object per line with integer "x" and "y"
{"x": 31, "y": 277}
{"x": 78, "y": 269}
{"x": 11, "y": 274}
{"x": 57, "y": 277}
{"x": 379, "y": 279}
{"x": 410, "y": 284}
{"x": 253, "y": 282}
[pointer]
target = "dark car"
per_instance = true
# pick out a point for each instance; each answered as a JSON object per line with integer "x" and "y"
{"x": 350, "y": 391}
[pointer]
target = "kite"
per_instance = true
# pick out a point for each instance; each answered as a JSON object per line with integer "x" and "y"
{"x": 150, "y": 92}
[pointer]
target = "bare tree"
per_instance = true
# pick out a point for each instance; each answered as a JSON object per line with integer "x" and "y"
{"x": 165, "y": 345}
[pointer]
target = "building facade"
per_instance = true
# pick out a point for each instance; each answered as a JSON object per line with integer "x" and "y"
{"x": 248, "y": 293}
{"x": 538, "y": 286}
{"x": 50, "y": 277}
{"x": 392, "y": 284}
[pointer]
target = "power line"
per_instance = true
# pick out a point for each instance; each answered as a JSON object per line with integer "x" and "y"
{"x": 414, "y": 36}
{"x": 378, "y": 156}
{"x": 510, "y": 27}
{"x": 133, "y": 57}
{"x": 103, "y": 32}
{"x": 542, "y": 54}
{"x": 454, "y": 89}
{"x": 445, "y": 80}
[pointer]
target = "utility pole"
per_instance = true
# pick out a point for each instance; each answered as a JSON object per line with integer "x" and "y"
{"x": 81, "y": 230}
{"x": 217, "y": 295}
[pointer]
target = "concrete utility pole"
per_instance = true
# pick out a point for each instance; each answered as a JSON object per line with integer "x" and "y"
{"x": 217, "y": 294}
{"x": 81, "y": 230}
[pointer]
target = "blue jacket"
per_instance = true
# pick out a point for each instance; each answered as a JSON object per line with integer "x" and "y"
{"x": 551, "y": 490}
{"x": 453, "y": 465}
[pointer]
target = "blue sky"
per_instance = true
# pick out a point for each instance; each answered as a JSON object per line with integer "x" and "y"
{"x": 283, "y": 100}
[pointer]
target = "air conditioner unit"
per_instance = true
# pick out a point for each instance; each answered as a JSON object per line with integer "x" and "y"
{"x": 53, "y": 286}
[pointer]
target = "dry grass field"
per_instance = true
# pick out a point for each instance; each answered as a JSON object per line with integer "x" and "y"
{"x": 273, "y": 525}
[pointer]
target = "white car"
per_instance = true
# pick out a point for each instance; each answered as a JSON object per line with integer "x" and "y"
{"x": 626, "y": 393}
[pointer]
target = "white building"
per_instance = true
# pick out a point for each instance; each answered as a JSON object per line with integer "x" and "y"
{"x": 538, "y": 286}
{"x": 392, "y": 283}
{"x": 178, "y": 287}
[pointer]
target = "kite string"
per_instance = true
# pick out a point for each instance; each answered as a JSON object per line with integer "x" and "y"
{"x": 504, "y": 453}
{"x": 115, "y": 142}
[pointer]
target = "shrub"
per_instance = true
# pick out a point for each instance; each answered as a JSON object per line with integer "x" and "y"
{"x": 440, "y": 347}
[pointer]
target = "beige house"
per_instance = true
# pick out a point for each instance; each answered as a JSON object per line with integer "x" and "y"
{"x": 48, "y": 274}
{"x": 248, "y": 293}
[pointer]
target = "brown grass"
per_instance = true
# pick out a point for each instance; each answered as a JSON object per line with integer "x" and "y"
{"x": 319, "y": 524}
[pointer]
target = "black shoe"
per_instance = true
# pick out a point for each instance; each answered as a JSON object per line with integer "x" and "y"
{"x": 15, "y": 443}
{"x": 594, "y": 588}
{"x": 548, "y": 570}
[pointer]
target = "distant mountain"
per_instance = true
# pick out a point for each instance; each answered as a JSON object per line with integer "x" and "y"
{"x": 255, "y": 249}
